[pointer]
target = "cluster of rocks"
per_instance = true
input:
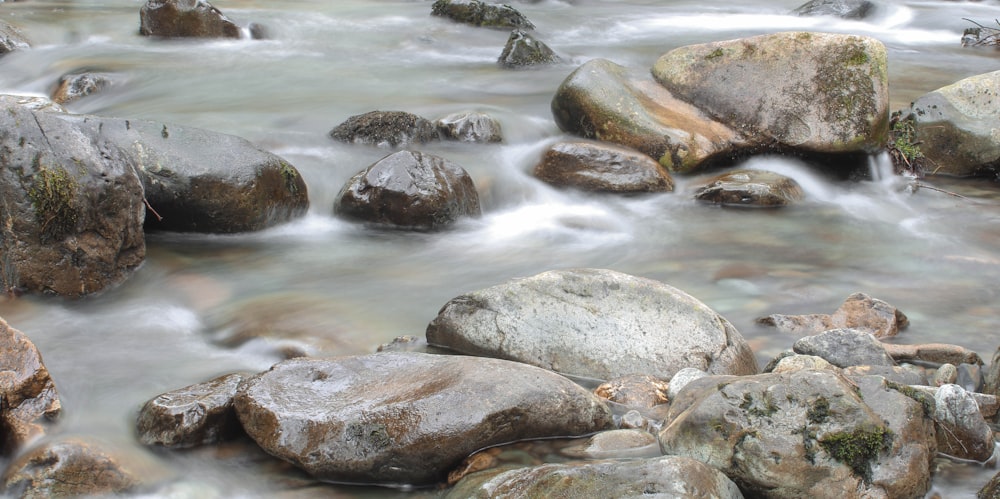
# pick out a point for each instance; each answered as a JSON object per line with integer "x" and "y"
{"x": 522, "y": 50}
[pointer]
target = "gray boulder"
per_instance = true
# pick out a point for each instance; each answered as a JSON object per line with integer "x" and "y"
{"x": 72, "y": 217}
{"x": 195, "y": 415}
{"x": 406, "y": 418}
{"x": 846, "y": 9}
{"x": 750, "y": 188}
{"x": 185, "y": 18}
{"x": 805, "y": 92}
{"x": 69, "y": 467}
{"x": 523, "y": 50}
{"x": 963, "y": 432}
{"x": 409, "y": 190}
{"x": 669, "y": 477}
{"x": 11, "y": 39}
{"x": 470, "y": 127}
{"x": 592, "y": 323}
{"x": 602, "y": 168}
{"x": 385, "y": 129}
{"x": 29, "y": 395}
{"x": 477, "y": 13}
{"x": 845, "y": 348}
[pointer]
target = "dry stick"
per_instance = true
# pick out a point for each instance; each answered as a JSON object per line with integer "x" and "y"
{"x": 158, "y": 217}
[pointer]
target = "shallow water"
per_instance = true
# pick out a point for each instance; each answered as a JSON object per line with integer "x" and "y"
{"x": 932, "y": 254}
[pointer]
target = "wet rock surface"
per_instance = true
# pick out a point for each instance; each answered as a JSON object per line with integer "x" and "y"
{"x": 68, "y": 468}
{"x": 76, "y": 86}
{"x": 385, "y": 129}
{"x": 195, "y": 415}
{"x": 602, "y": 168}
{"x": 11, "y": 39}
{"x": 846, "y": 9}
{"x": 29, "y": 395}
{"x": 185, "y": 18}
{"x": 523, "y": 50}
{"x": 757, "y": 188}
{"x": 470, "y": 127}
{"x": 477, "y": 13}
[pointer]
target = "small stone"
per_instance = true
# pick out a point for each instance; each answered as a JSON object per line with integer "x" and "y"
{"x": 638, "y": 390}
{"x": 946, "y": 374}
{"x": 754, "y": 188}
{"x": 844, "y": 348}
{"x": 523, "y": 50}
{"x": 681, "y": 378}
{"x": 470, "y": 127}
{"x": 963, "y": 432}
{"x": 385, "y": 129}
{"x": 195, "y": 415}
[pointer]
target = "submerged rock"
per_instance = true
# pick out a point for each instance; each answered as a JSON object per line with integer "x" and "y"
{"x": 846, "y": 9}
{"x": 602, "y": 168}
{"x": 75, "y": 86}
{"x": 68, "y": 468}
{"x": 28, "y": 393}
{"x": 185, "y": 18}
{"x": 11, "y": 39}
{"x": 592, "y": 323}
{"x": 195, "y": 415}
{"x": 756, "y": 188}
{"x": 409, "y": 190}
{"x": 477, "y": 13}
{"x": 406, "y": 418}
{"x": 470, "y": 127}
{"x": 523, "y": 50}
{"x": 385, "y": 129}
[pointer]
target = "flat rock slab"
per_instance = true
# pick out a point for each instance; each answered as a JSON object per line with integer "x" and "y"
{"x": 406, "y": 418}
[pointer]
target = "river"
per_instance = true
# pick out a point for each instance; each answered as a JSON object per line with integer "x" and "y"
{"x": 934, "y": 255}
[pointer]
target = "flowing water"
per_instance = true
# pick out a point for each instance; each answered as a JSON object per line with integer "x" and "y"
{"x": 932, "y": 254}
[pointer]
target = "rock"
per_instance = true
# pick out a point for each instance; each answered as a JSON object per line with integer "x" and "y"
{"x": 616, "y": 444}
{"x": 11, "y": 39}
{"x": 28, "y": 393}
{"x": 592, "y": 323}
{"x": 846, "y": 9}
{"x": 896, "y": 374}
{"x": 859, "y": 311}
{"x": 844, "y": 348}
{"x": 756, "y": 188}
{"x": 72, "y": 87}
{"x": 798, "y": 362}
{"x": 195, "y": 415}
{"x": 991, "y": 383}
{"x": 938, "y": 353}
{"x": 483, "y": 14}
{"x": 410, "y": 343}
{"x": 988, "y": 404}
{"x": 185, "y": 18}
{"x": 523, "y": 50}
{"x": 602, "y": 168}
{"x": 991, "y": 490}
{"x": 955, "y": 124}
{"x": 406, "y": 418}
{"x": 946, "y": 374}
{"x": 470, "y": 127}
{"x": 605, "y": 101}
{"x": 799, "y": 434}
{"x": 67, "y": 468}
{"x": 32, "y": 102}
{"x": 963, "y": 432}
{"x": 409, "y": 190}
{"x": 385, "y": 129}
{"x": 73, "y": 212}
{"x": 637, "y": 390}
{"x": 807, "y": 92}
{"x": 681, "y": 378}
{"x": 203, "y": 181}
{"x": 668, "y": 476}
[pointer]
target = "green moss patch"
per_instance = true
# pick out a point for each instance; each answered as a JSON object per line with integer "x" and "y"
{"x": 858, "y": 448}
{"x": 52, "y": 193}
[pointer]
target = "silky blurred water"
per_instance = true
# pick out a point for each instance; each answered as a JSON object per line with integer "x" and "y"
{"x": 933, "y": 254}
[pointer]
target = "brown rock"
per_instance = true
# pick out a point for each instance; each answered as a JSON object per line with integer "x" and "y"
{"x": 385, "y": 129}
{"x": 68, "y": 468}
{"x": 757, "y": 188}
{"x": 191, "y": 416}
{"x": 637, "y": 390}
{"x": 185, "y": 18}
{"x": 76, "y": 86}
{"x": 602, "y": 168}
{"x": 859, "y": 311}
{"x": 939, "y": 353}
{"x": 28, "y": 394}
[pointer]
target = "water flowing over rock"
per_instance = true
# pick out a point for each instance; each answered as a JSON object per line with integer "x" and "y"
{"x": 29, "y": 395}
{"x": 963, "y": 432}
{"x": 385, "y": 129}
{"x": 72, "y": 212}
{"x": 11, "y": 39}
{"x": 76, "y": 86}
{"x": 191, "y": 416}
{"x": 409, "y": 190}
{"x": 602, "y": 168}
{"x": 185, "y": 18}
{"x": 859, "y": 311}
{"x": 470, "y": 127}
{"x": 845, "y": 348}
{"x": 667, "y": 477}
{"x": 757, "y": 188}
{"x": 955, "y": 126}
{"x": 523, "y": 50}
{"x": 68, "y": 468}
{"x": 847, "y": 9}
{"x": 809, "y": 92}
{"x": 406, "y": 418}
{"x": 615, "y": 444}
{"x": 794, "y": 435}
{"x": 479, "y": 13}
{"x": 203, "y": 181}
{"x": 592, "y": 323}
{"x": 611, "y": 103}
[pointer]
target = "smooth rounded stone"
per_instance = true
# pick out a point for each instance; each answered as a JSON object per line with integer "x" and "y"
{"x": 637, "y": 390}
{"x": 757, "y": 188}
{"x": 789, "y": 435}
{"x": 955, "y": 126}
{"x": 409, "y": 190}
{"x": 195, "y": 415}
{"x": 616, "y": 444}
{"x": 470, "y": 127}
{"x": 523, "y": 50}
{"x": 611, "y": 103}
{"x": 945, "y": 374}
{"x": 859, "y": 311}
{"x": 895, "y": 374}
{"x": 797, "y": 362}
{"x": 72, "y": 216}
{"x": 844, "y": 348}
{"x": 477, "y": 13}
{"x": 663, "y": 477}
{"x": 681, "y": 378}
{"x": 198, "y": 180}
{"x": 812, "y": 92}
{"x": 406, "y": 418}
{"x": 962, "y": 431}
{"x": 385, "y": 129}
{"x": 185, "y": 18}
{"x": 846, "y": 9}
{"x": 67, "y": 468}
{"x": 592, "y": 323}
{"x": 11, "y": 39}
{"x": 29, "y": 395}
{"x": 76, "y": 86}
{"x": 602, "y": 168}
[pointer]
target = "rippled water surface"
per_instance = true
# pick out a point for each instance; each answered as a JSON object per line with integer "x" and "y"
{"x": 933, "y": 254}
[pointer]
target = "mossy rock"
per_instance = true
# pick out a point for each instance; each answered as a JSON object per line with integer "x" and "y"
{"x": 479, "y": 13}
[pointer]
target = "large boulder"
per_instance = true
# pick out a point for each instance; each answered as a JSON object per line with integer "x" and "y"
{"x": 477, "y": 13}
{"x": 806, "y": 92}
{"x": 412, "y": 190}
{"x": 955, "y": 126}
{"x": 185, "y": 18}
{"x": 798, "y": 434}
{"x": 197, "y": 180}
{"x": 665, "y": 477}
{"x": 602, "y": 168}
{"x": 29, "y": 395}
{"x": 11, "y": 39}
{"x": 406, "y": 418}
{"x": 385, "y": 129}
{"x": 195, "y": 415}
{"x": 72, "y": 213}
{"x": 592, "y": 323}
{"x": 68, "y": 468}
{"x": 609, "y": 102}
